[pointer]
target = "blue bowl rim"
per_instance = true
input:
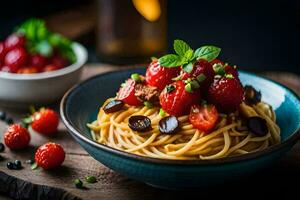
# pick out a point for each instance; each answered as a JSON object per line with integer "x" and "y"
{"x": 227, "y": 160}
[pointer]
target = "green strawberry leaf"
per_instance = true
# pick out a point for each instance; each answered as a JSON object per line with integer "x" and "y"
{"x": 208, "y": 53}
{"x": 181, "y": 47}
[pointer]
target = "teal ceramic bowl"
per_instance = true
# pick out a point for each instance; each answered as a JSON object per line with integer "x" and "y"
{"x": 80, "y": 105}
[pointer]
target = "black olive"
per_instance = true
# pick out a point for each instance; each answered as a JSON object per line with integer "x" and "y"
{"x": 258, "y": 126}
{"x": 168, "y": 125}
{"x": 2, "y": 147}
{"x": 252, "y": 96}
{"x": 2, "y": 115}
{"x": 139, "y": 123}
{"x": 113, "y": 106}
{"x": 10, "y": 165}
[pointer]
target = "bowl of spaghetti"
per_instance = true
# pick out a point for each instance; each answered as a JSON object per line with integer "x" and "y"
{"x": 183, "y": 130}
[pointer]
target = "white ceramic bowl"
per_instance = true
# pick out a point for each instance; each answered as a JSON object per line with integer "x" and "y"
{"x": 41, "y": 88}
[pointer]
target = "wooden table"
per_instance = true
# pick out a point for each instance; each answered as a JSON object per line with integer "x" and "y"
{"x": 111, "y": 185}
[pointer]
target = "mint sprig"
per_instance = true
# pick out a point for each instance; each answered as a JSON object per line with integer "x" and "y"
{"x": 41, "y": 40}
{"x": 186, "y": 56}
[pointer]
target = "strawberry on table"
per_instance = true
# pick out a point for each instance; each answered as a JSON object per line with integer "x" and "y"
{"x": 159, "y": 76}
{"x": 45, "y": 121}
{"x": 203, "y": 117}
{"x": 16, "y": 137}
{"x": 177, "y": 98}
{"x": 226, "y": 93}
{"x": 49, "y": 155}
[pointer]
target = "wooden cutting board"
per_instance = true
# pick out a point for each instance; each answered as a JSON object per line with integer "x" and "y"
{"x": 58, "y": 183}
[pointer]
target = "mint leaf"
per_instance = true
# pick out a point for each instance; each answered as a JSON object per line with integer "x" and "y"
{"x": 181, "y": 47}
{"x": 188, "y": 56}
{"x": 44, "y": 48}
{"x": 171, "y": 60}
{"x": 188, "y": 67}
{"x": 208, "y": 53}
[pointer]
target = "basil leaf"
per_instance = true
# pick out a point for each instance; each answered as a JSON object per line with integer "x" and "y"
{"x": 170, "y": 60}
{"x": 208, "y": 53}
{"x": 188, "y": 67}
{"x": 181, "y": 47}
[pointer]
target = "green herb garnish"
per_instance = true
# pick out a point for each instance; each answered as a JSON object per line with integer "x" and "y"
{"x": 162, "y": 113}
{"x": 170, "y": 88}
{"x": 91, "y": 179}
{"x": 34, "y": 166}
{"x": 186, "y": 56}
{"x": 148, "y": 104}
{"x": 41, "y": 40}
{"x": 78, "y": 183}
{"x": 136, "y": 77}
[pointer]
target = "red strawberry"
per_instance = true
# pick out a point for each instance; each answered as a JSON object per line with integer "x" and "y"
{"x": 10, "y": 69}
{"x": 45, "y": 121}
{"x": 14, "y": 41}
{"x": 49, "y": 155}
{"x": 2, "y": 51}
{"x": 226, "y": 93}
{"x": 228, "y": 69}
{"x": 159, "y": 76}
{"x": 16, "y": 137}
{"x": 127, "y": 93}
{"x": 50, "y": 68}
{"x": 200, "y": 68}
{"x": 175, "y": 100}
{"x": 28, "y": 70}
{"x": 37, "y": 61}
{"x": 216, "y": 61}
{"x": 15, "y": 58}
{"x": 59, "y": 61}
{"x": 203, "y": 117}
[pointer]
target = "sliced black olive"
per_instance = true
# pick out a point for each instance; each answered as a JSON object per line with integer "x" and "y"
{"x": 252, "y": 96}
{"x": 113, "y": 106}
{"x": 258, "y": 126}
{"x": 139, "y": 123}
{"x": 168, "y": 125}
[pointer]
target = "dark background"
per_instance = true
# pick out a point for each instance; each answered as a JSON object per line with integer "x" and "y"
{"x": 255, "y": 35}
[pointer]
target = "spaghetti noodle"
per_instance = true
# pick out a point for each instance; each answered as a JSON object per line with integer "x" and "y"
{"x": 230, "y": 136}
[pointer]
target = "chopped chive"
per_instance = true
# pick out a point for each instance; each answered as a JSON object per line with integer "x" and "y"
{"x": 188, "y": 88}
{"x": 170, "y": 88}
{"x": 148, "y": 104}
{"x": 162, "y": 113}
{"x": 91, "y": 179}
{"x": 230, "y": 76}
{"x": 201, "y": 78}
{"x": 34, "y": 166}
{"x": 136, "y": 77}
{"x": 78, "y": 183}
{"x": 195, "y": 84}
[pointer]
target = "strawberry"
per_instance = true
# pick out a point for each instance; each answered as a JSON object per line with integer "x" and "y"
{"x": 37, "y": 61}
{"x": 127, "y": 93}
{"x": 203, "y": 71}
{"x": 49, "y": 155}
{"x": 159, "y": 76}
{"x": 10, "y": 69}
{"x": 50, "y": 68}
{"x": 15, "y": 58}
{"x": 175, "y": 100}
{"x": 226, "y": 93}
{"x": 16, "y": 137}
{"x": 27, "y": 70}
{"x": 2, "y": 51}
{"x": 45, "y": 121}
{"x": 203, "y": 117}
{"x": 59, "y": 61}
{"x": 14, "y": 41}
{"x": 227, "y": 68}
